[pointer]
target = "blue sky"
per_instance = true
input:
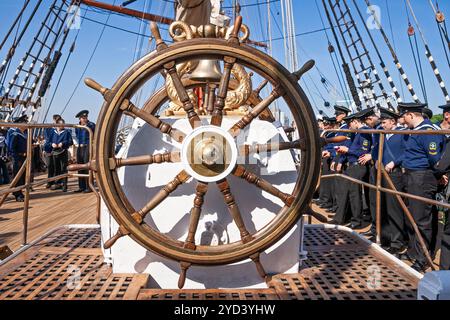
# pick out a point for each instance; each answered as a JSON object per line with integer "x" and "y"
{"x": 117, "y": 49}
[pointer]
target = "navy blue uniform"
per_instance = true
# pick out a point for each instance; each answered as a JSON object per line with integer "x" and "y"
{"x": 326, "y": 192}
{"x": 4, "y": 175}
{"x": 83, "y": 152}
{"x": 60, "y": 154}
{"x": 48, "y": 133}
{"x": 18, "y": 150}
{"x": 394, "y": 148}
{"x": 351, "y": 195}
{"x": 9, "y": 136}
{"x": 422, "y": 153}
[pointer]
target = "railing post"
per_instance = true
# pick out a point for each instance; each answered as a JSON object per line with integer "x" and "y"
{"x": 379, "y": 176}
{"x": 26, "y": 204}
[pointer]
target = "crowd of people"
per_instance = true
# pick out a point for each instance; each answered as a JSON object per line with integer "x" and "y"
{"x": 51, "y": 152}
{"x": 416, "y": 164}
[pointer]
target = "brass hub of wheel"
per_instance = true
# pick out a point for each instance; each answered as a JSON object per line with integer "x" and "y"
{"x": 209, "y": 154}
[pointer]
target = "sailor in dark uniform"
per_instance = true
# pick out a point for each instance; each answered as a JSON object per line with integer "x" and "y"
{"x": 422, "y": 153}
{"x": 48, "y": 133}
{"x": 18, "y": 150}
{"x": 357, "y": 169}
{"x": 61, "y": 141}
{"x": 82, "y": 136}
{"x": 443, "y": 167}
{"x": 394, "y": 145}
{"x": 326, "y": 194}
{"x": 339, "y": 161}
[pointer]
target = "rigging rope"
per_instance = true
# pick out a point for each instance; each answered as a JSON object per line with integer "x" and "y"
{"x": 332, "y": 52}
{"x": 71, "y": 50}
{"x": 393, "y": 53}
{"x": 17, "y": 20}
{"x": 382, "y": 63}
{"x": 442, "y": 27}
{"x": 429, "y": 55}
{"x": 87, "y": 65}
{"x": 391, "y": 29}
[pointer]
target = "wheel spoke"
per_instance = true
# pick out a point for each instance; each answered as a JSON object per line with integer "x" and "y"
{"x": 188, "y": 107}
{"x": 256, "y": 111}
{"x": 224, "y": 187}
{"x": 140, "y": 215}
{"x": 169, "y": 157}
{"x": 164, "y": 193}
{"x": 196, "y": 210}
{"x": 264, "y": 185}
{"x": 247, "y": 150}
{"x": 222, "y": 92}
{"x": 129, "y": 108}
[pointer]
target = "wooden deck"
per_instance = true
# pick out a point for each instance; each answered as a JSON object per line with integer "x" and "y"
{"x": 48, "y": 210}
{"x": 68, "y": 264}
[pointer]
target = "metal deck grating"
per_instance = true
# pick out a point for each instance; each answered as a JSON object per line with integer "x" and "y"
{"x": 78, "y": 238}
{"x": 338, "y": 268}
{"x": 55, "y": 270}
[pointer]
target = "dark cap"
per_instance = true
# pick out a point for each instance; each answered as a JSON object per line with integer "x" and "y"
{"x": 21, "y": 119}
{"x": 330, "y": 120}
{"x": 56, "y": 117}
{"x": 428, "y": 113}
{"x": 342, "y": 109}
{"x": 83, "y": 113}
{"x": 445, "y": 107}
{"x": 351, "y": 117}
{"x": 405, "y": 107}
{"x": 366, "y": 113}
{"x": 388, "y": 114}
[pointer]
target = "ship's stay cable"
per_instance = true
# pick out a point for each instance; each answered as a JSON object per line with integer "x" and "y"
{"x": 16, "y": 43}
{"x": 393, "y": 52}
{"x": 414, "y": 46}
{"x": 345, "y": 66}
{"x": 394, "y": 43}
{"x": 87, "y": 64}
{"x": 429, "y": 54}
{"x": 380, "y": 58}
{"x": 8, "y": 65}
{"x": 333, "y": 55}
{"x": 71, "y": 50}
{"x": 16, "y": 21}
{"x": 442, "y": 27}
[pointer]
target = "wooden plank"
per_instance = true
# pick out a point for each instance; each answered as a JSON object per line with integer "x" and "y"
{"x": 139, "y": 282}
{"x": 48, "y": 209}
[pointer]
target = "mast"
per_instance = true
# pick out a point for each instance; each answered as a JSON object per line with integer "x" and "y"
{"x": 394, "y": 55}
{"x": 429, "y": 54}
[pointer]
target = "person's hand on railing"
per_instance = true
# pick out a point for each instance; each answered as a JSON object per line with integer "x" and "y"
{"x": 333, "y": 166}
{"x": 339, "y": 167}
{"x": 390, "y": 166}
{"x": 342, "y": 149}
{"x": 363, "y": 160}
{"x": 444, "y": 181}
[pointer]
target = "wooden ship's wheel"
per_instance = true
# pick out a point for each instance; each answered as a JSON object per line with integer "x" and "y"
{"x": 209, "y": 153}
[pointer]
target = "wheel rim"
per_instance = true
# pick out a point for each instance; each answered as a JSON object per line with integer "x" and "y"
{"x": 120, "y": 207}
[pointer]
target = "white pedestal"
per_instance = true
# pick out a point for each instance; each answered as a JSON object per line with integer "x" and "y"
{"x": 216, "y": 226}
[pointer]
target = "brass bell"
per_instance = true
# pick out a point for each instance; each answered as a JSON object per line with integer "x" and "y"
{"x": 207, "y": 71}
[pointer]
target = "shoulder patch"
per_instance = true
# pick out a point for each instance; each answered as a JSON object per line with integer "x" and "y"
{"x": 432, "y": 148}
